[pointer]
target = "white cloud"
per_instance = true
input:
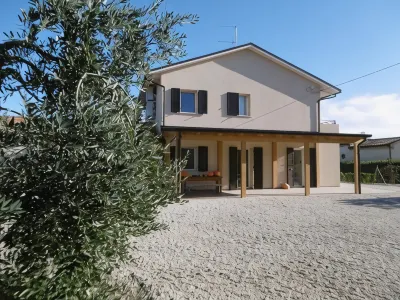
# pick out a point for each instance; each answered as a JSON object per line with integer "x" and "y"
{"x": 377, "y": 115}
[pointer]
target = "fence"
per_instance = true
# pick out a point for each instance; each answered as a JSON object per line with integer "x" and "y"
{"x": 382, "y": 173}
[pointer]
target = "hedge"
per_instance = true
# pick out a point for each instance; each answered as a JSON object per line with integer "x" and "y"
{"x": 367, "y": 166}
{"x": 365, "y": 177}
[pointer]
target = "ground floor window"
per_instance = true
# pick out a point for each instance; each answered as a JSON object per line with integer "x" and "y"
{"x": 190, "y": 152}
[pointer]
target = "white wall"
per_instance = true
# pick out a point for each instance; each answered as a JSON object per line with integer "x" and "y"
{"x": 396, "y": 150}
{"x": 279, "y": 99}
{"x": 329, "y": 159}
{"x": 371, "y": 153}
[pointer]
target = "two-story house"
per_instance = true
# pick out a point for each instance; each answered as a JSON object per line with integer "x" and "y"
{"x": 250, "y": 115}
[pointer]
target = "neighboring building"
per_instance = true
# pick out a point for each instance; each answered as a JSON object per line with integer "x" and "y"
{"x": 216, "y": 105}
{"x": 373, "y": 149}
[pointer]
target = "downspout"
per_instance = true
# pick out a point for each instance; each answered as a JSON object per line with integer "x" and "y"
{"x": 163, "y": 102}
{"x": 319, "y": 108}
{"x": 390, "y": 152}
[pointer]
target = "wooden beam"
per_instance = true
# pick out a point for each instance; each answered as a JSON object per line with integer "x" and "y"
{"x": 167, "y": 155}
{"x": 274, "y": 165}
{"x": 243, "y": 182}
{"x": 307, "y": 168}
{"x": 268, "y": 138}
{"x": 220, "y": 156}
{"x": 317, "y": 158}
{"x": 356, "y": 170}
{"x": 167, "y": 152}
{"x": 178, "y": 157}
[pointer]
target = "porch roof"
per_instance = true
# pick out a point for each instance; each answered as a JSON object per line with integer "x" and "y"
{"x": 259, "y": 135}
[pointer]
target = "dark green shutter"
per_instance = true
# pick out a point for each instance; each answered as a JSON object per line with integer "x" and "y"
{"x": 313, "y": 167}
{"x": 233, "y": 168}
{"x": 232, "y": 104}
{"x": 258, "y": 167}
{"x": 175, "y": 100}
{"x": 172, "y": 153}
{"x": 202, "y": 102}
{"x": 202, "y": 159}
{"x": 142, "y": 98}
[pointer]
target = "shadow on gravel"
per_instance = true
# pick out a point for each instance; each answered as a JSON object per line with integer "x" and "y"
{"x": 384, "y": 203}
{"x": 206, "y": 194}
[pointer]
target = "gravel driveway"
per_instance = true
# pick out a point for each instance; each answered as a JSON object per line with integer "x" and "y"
{"x": 275, "y": 247}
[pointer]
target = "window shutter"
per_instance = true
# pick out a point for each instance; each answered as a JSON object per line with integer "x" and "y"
{"x": 202, "y": 102}
{"x": 233, "y": 168}
{"x": 203, "y": 158}
{"x": 258, "y": 167}
{"x": 142, "y": 98}
{"x": 175, "y": 100}
{"x": 233, "y": 104}
{"x": 172, "y": 153}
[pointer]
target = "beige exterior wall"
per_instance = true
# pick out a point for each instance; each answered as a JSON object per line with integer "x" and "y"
{"x": 329, "y": 159}
{"x": 279, "y": 99}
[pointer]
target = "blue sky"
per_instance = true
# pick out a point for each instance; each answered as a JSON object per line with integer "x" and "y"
{"x": 335, "y": 40}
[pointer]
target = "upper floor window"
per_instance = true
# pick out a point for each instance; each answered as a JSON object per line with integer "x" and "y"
{"x": 243, "y": 105}
{"x": 238, "y": 104}
{"x": 188, "y": 102}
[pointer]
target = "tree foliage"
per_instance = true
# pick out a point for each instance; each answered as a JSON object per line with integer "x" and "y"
{"x": 81, "y": 174}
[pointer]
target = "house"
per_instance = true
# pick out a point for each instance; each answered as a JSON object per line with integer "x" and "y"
{"x": 373, "y": 149}
{"x": 250, "y": 115}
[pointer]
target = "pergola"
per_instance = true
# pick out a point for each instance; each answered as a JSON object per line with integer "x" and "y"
{"x": 274, "y": 136}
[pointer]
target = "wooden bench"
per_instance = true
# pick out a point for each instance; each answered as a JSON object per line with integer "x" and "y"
{"x": 216, "y": 179}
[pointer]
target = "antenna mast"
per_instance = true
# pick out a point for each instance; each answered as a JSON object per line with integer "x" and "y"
{"x": 235, "y": 41}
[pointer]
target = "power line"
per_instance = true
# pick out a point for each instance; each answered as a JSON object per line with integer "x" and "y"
{"x": 354, "y": 79}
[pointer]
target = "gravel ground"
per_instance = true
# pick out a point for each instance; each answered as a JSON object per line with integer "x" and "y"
{"x": 275, "y": 247}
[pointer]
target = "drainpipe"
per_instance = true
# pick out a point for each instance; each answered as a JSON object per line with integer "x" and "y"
{"x": 319, "y": 108}
{"x": 390, "y": 152}
{"x": 163, "y": 102}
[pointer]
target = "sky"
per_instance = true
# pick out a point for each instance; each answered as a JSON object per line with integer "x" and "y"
{"x": 334, "y": 40}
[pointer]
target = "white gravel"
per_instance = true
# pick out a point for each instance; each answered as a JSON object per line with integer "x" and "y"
{"x": 275, "y": 247}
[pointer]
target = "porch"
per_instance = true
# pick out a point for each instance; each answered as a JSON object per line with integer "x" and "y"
{"x": 343, "y": 189}
{"x": 267, "y": 165}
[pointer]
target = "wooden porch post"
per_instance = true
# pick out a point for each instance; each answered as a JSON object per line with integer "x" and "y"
{"x": 167, "y": 153}
{"x": 178, "y": 156}
{"x": 356, "y": 169}
{"x": 243, "y": 182}
{"x": 307, "y": 168}
{"x": 274, "y": 165}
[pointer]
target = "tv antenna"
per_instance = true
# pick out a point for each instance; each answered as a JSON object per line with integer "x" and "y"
{"x": 234, "y": 42}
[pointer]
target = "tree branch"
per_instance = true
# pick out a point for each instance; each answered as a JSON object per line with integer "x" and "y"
{"x": 24, "y": 44}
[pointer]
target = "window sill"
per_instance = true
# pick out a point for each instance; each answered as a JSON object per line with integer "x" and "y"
{"x": 242, "y": 116}
{"x": 188, "y": 114}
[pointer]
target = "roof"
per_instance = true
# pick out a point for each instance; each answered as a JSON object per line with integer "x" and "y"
{"x": 379, "y": 142}
{"x": 261, "y": 131}
{"x": 327, "y": 88}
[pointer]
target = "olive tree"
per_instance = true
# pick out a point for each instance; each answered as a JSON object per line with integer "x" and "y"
{"x": 82, "y": 173}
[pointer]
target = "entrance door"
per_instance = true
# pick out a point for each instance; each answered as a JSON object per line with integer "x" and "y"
{"x": 258, "y": 167}
{"x": 294, "y": 167}
{"x": 235, "y": 168}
